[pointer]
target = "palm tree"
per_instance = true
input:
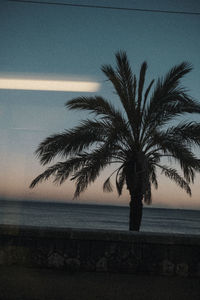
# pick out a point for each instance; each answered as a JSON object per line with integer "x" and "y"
{"x": 135, "y": 138}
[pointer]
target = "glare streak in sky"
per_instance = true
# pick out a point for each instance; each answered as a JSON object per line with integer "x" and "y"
{"x": 48, "y": 85}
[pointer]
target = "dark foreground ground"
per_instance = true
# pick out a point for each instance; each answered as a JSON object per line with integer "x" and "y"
{"x": 42, "y": 284}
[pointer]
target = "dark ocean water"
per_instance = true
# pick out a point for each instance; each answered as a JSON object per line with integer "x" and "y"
{"x": 97, "y": 217}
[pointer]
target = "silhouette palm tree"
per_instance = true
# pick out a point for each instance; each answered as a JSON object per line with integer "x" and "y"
{"x": 135, "y": 138}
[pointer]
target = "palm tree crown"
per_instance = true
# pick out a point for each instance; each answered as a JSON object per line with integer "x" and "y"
{"x": 136, "y": 137}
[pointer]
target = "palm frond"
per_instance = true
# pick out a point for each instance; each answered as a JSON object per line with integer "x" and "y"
{"x": 71, "y": 141}
{"x": 44, "y": 176}
{"x": 169, "y": 99}
{"x": 126, "y": 77}
{"x": 188, "y": 132}
{"x": 141, "y": 84}
{"x": 61, "y": 170}
{"x": 107, "y": 186}
{"x": 97, "y": 161}
{"x": 141, "y": 132}
{"x": 121, "y": 78}
{"x": 153, "y": 177}
{"x": 147, "y": 194}
{"x": 134, "y": 87}
{"x": 70, "y": 166}
{"x": 173, "y": 175}
{"x": 178, "y": 105}
{"x": 120, "y": 180}
{"x": 125, "y": 85}
{"x": 97, "y": 105}
{"x": 152, "y": 161}
{"x": 180, "y": 152}
{"x": 100, "y": 107}
{"x": 174, "y": 75}
{"x": 146, "y": 96}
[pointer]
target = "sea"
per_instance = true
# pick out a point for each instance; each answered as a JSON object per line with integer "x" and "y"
{"x": 87, "y": 216}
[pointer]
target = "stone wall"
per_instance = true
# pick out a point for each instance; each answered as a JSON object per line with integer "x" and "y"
{"x": 100, "y": 251}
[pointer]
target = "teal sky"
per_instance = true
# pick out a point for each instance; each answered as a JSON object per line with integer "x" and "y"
{"x": 73, "y": 43}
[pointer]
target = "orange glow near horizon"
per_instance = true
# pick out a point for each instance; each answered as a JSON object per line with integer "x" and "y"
{"x": 14, "y": 184}
{"x": 48, "y": 85}
{"x": 18, "y": 170}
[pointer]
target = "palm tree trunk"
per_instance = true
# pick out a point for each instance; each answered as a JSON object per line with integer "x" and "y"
{"x": 135, "y": 181}
{"x": 135, "y": 216}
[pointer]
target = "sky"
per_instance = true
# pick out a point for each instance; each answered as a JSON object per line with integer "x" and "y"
{"x": 72, "y": 43}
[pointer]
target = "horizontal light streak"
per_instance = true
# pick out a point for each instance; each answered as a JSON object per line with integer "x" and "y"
{"x": 48, "y": 85}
